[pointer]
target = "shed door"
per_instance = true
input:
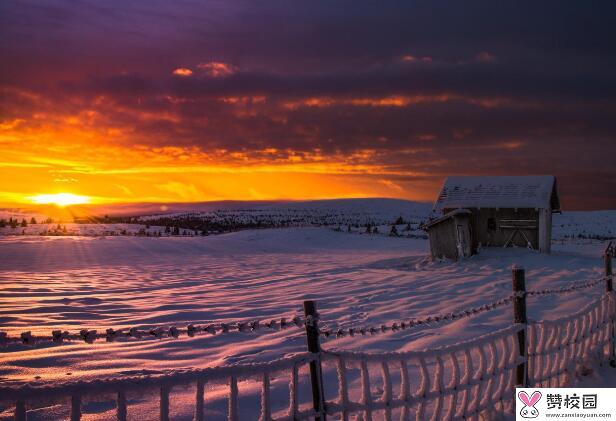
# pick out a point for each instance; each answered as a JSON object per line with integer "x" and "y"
{"x": 463, "y": 240}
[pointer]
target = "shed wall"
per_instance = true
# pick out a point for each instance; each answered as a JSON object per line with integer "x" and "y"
{"x": 451, "y": 238}
{"x": 443, "y": 240}
{"x": 489, "y": 227}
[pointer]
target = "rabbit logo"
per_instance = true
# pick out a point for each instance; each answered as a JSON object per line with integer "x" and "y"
{"x": 529, "y": 410}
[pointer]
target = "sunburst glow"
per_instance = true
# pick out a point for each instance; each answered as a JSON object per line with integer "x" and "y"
{"x": 60, "y": 199}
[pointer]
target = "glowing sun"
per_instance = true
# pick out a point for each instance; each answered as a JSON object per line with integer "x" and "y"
{"x": 60, "y": 199}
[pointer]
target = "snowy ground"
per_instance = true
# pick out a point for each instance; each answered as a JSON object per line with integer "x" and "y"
{"x": 99, "y": 282}
{"x": 82, "y": 282}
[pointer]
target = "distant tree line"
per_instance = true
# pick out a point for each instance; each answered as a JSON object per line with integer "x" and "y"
{"x": 228, "y": 221}
{"x": 14, "y": 223}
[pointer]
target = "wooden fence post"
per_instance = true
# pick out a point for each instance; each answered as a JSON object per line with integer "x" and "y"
{"x": 75, "y": 408}
{"x": 609, "y": 287}
{"x": 121, "y": 411}
{"x": 20, "y": 411}
{"x": 316, "y": 374}
{"x": 519, "y": 317}
{"x": 164, "y": 403}
{"x": 199, "y": 400}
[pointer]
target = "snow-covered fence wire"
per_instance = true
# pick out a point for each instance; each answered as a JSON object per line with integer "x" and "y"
{"x": 555, "y": 347}
{"x": 468, "y": 380}
{"x": 133, "y": 333}
{"x": 452, "y": 382}
{"x": 290, "y": 374}
{"x": 474, "y": 379}
{"x": 337, "y": 332}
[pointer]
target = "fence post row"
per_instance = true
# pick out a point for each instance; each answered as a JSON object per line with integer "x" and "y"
{"x": 519, "y": 317}
{"x": 609, "y": 287}
{"x": 316, "y": 374}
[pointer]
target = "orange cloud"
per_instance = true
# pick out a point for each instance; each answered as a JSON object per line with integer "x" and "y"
{"x": 388, "y": 101}
{"x": 390, "y": 184}
{"x": 183, "y": 71}
{"x": 243, "y": 100}
{"x": 401, "y": 101}
{"x": 409, "y": 58}
{"x": 217, "y": 68}
{"x": 511, "y": 145}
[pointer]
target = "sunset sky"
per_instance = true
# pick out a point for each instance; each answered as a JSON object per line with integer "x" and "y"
{"x": 178, "y": 101}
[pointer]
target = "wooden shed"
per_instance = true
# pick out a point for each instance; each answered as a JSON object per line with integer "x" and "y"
{"x": 492, "y": 211}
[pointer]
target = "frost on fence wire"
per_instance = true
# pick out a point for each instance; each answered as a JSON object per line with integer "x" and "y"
{"x": 431, "y": 321}
{"x": 277, "y": 390}
{"x": 111, "y": 335}
{"x": 575, "y": 286}
{"x": 468, "y": 379}
{"x": 556, "y": 347}
{"x": 427, "y": 321}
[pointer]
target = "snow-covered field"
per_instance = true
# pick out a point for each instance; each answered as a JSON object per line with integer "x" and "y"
{"x": 77, "y": 282}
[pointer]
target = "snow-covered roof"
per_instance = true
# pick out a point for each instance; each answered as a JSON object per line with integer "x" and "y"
{"x": 535, "y": 191}
{"x": 445, "y": 217}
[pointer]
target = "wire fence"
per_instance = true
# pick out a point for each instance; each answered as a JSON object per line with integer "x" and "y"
{"x": 159, "y": 332}
{"x": 456, "y": 381}
{"x": 134, "y": 333}
{"x": 449, "y": 317}
{"x": 467, "y": 380}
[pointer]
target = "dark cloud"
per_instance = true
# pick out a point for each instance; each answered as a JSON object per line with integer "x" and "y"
{"x": 516, "y": 87}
